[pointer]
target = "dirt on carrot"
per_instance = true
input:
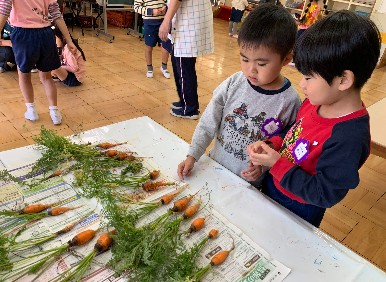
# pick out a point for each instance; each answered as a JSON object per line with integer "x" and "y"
{"x": 104, "y": 242}
{"x": 154, "y": 174}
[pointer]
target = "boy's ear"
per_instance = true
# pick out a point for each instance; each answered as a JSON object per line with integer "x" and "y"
{"x": 288, "y": 58}
{"x": 347, "y": 80}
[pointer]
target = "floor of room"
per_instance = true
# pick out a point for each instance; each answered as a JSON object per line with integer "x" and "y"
{"x": 116, "y": 89}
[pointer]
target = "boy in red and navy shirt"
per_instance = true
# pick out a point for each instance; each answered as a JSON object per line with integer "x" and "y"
{"x": 315, "y": 165}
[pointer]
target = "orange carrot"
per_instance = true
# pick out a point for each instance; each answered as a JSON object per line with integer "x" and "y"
{"x": 67, "y": 228}
{"x": 213, "y": 233}
{"x": 166, "y": 199}
{"x": 107, "y": 145}
{"x": 196, "y": 225}
{"x": 154, "y": 174}
{"x": 54, "y": 174}
{"x": 111, "y": 153}
{"x": 59, "y": 210}
{"x": 82, "y": 238}
{"x": 192, "y": 210}
{"x": 104, "y": 242}
{"x": 182, "y": 203}
{"x": 219, "y": 258}
{"x": 35, "y": 208}
{"x": 151, "y": 186}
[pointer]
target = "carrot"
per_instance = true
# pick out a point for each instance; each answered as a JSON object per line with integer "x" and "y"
{"x": 166, "y": 199}
{"x": 35, "y": 208}
{"x": 107, "y": 145}
{"x": 196, "y": 225}
{"x": 67, "y": 228}
{"x": 111, "y": 153}
{"x": 154, "y": 174}
{"x": 54, "y": 174}
{"x": 59, "y": 210}
{"x": 213, "y": 233}
{"x": 182, "y": 203}
{"x": 192, "y": 210}
{"x": 82, "y": 238}
{"x": 151, "y": 186}
{"x": 219, "y": 258}
{"x": 104, "y": 242}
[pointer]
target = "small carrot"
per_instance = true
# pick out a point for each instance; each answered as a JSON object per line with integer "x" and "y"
{"x": 182, "y": 203}
{"x": 35, "y": 208}
{"x": 59, "y": 210}
{"x": 219, "y": 258}
{"x": 67, "y": 228}
{"x": 154, "y": 174}
{"x": 54, "y": 174}
{"x": 192, "y": 210}
{"x": 107, "y": 145}
{"x": 213, "y": 233}
{"x": 166, "y": 199}
{"x": 152, "y": 186}
{"x": 111, "y": 153}
{"x": 82, "y": 238}
{"x": 104, "y": 242}
{"x": 196, "y": 225}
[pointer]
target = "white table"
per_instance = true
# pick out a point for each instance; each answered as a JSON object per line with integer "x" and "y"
{"x": 377, "y": 113}
{"x": 311, "y": 254}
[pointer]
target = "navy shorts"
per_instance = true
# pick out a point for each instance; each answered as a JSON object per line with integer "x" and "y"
{"x": 236, "y": 15}
{"x": 71, "y": 80}
{"x": 150, "y": 33}
{"x": 35, "y": 47}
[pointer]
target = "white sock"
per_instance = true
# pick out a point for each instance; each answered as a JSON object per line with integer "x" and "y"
{"x": 31, "y": 113}
{"x": 55, "y": 115}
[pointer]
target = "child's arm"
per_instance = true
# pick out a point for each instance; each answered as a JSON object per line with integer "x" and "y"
{"x": 336, "y": 168}
{"x": 165, "y": 26}
{"x": 5, "y": 10}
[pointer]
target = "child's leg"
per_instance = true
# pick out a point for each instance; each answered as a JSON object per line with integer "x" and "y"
{"x": 52, "y": 95}
{"x": 49, "y": 87}
{"x": 164, "y": 67}
{"x": 234, "y": 28}
{"x": 26, "y": 88}
{"x": 230, "y": 28}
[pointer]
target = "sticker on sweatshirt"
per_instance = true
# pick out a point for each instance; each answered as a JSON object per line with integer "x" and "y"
{"x": 271, "y": 126}
{"x": 301, "y": 150}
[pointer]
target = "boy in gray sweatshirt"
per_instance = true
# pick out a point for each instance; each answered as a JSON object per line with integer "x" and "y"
{"x": 253, "y": 104}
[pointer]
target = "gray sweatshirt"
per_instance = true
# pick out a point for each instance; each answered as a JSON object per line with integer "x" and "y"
{"x": 239, "y": 114}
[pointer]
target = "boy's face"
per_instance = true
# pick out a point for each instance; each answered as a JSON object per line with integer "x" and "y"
{"x": 262, "y": 66}
{"x": 318, "y": 91}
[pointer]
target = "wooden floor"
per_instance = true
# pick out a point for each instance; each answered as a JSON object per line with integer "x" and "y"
{"x": 116, "y": 89}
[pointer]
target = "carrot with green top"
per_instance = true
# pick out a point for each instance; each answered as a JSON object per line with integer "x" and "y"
{"x": 181, "y": 204}
{"x": 196, "y": 225}
{"x": 107, "y": 145}
{"x": 102, "y": 245}
{"x": 216, "y": 260}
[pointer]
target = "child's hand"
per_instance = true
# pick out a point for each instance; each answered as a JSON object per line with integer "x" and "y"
{"x": 72, "y": 47}
{"x": 185, "y": 168}
{"x": 252, "y": 172}
{"x": 255, "y": 147}
{"x": 268, "y": 157}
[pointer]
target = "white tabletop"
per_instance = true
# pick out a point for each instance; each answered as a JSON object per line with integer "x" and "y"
{"x": 377, "y": 113}
{"x": 311, "y": 254}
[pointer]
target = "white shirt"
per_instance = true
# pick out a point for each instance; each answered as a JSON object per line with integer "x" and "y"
{"x": 192, "y": 30}
{"x": 240, "y": 4}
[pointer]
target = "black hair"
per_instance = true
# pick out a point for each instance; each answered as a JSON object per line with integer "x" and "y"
{"x": 324, "y": 10}
{"x": 341, "y": 41}
{"x": 270, "y": 26}
{"x": 59, "y": 34}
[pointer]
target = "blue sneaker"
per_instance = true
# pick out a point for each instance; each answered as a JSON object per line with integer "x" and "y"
{"x": 180, "y": 114}
{"x": 176, "y": 105}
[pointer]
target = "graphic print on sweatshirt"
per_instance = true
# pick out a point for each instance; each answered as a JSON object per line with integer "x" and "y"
{"x": 240, "y": 129}
{"x": 295, "y": 148}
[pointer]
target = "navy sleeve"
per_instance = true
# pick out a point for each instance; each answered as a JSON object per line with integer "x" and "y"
{"x": 337, "y": 168}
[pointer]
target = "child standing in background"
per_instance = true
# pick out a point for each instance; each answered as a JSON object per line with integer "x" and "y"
{"x": 252, "y": 104}
{"x": 34, "y": 44}
{"x": 73, "y": 68}
{"x": 317, "y": 163}
{"x": 312, "y": 13}
{"x": 153, "y": 12}
{"x": 238, "y": 8}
